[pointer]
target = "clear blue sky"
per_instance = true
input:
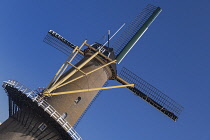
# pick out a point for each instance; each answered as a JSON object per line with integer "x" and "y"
{"x": 173, "y": 55}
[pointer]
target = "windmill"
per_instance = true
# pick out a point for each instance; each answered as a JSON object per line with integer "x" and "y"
{"x": 76, "y": 84}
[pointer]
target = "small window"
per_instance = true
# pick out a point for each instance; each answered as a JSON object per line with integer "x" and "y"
{"x": 42, "y": 126}
{"x": 77, "y": 100}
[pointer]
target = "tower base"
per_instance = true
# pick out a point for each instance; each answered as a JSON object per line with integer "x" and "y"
{"x": 29, "y": 121}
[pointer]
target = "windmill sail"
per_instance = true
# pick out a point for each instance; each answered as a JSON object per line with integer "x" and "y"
{"x": 150, "y": 94}
{"x": 60, "y": 43}
{"x": 134, "y": 31}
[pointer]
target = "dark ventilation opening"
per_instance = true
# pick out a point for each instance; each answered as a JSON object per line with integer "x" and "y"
{"x": 42, "y": 126}
{"x": 77, "y": 100}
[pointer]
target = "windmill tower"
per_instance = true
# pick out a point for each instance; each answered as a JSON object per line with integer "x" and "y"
{"x": 50, "y": 113}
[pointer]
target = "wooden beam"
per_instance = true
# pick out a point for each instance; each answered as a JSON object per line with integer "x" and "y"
{"x": 114, "y": 61}
{"x": 71, "y": 73}
{"x": 86, "y": 90}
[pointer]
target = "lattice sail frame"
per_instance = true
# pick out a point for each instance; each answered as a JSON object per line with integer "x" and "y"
{"x": 133, "y": 28}
{"x": 60, "y": 43}
{"x": 152, "y": 95}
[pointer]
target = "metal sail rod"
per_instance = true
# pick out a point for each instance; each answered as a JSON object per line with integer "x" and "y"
{"x": 114, "y": 34}
{"x": 108, "y": 37}
{"x": 138, "y": 35}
